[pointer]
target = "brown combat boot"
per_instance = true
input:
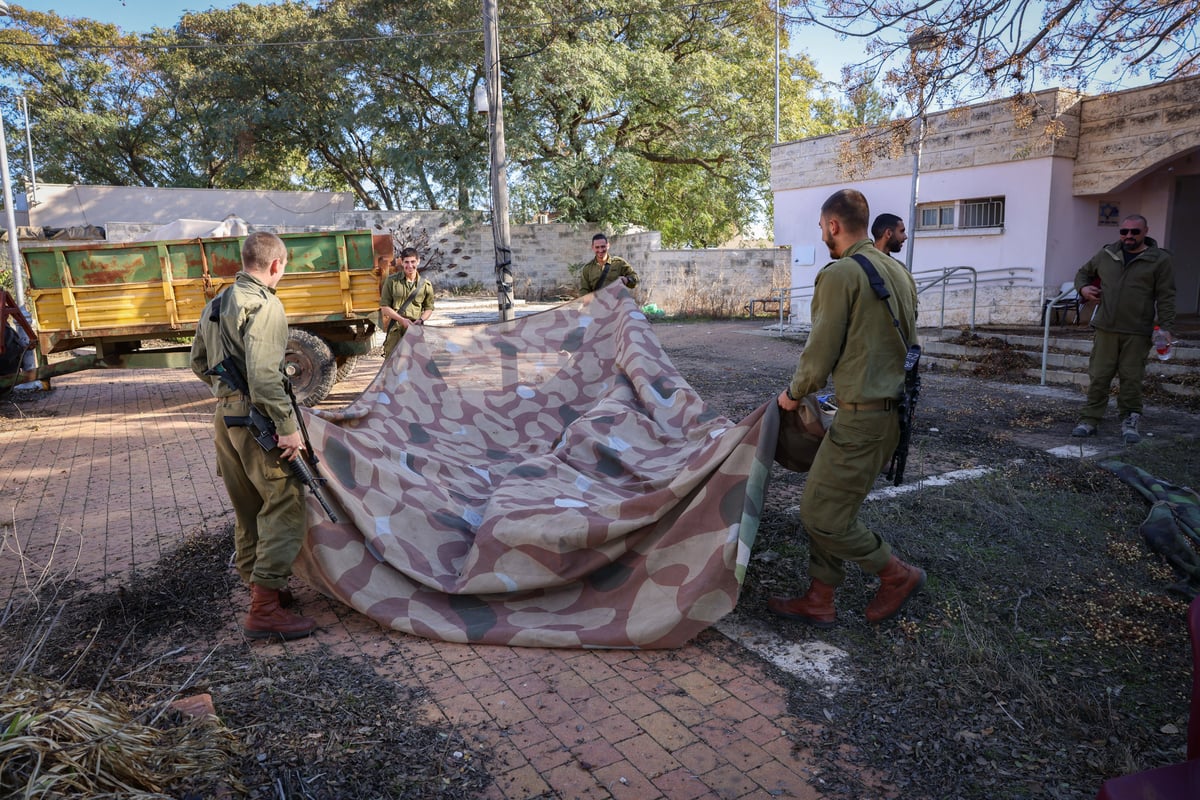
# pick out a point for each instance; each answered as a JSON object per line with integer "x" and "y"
{"x": 897, "y": 583}
{"x": 815, "y": 607}
{"x": 286, "y": 598}
{"x": 268, "y": 620}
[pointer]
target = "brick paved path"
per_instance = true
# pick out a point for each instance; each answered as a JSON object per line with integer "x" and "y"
{"x": 111, "y": 469}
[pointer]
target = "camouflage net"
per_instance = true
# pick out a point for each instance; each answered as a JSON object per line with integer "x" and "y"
{"x": 551, "y": 481}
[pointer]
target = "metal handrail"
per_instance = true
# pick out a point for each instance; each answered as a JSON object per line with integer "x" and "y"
{"x": 1047, "y": 310}
{"x": 925, "y": 280}
{"x": 944, "y": 277}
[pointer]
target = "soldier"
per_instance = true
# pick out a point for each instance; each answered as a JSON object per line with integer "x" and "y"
{"x": 1136, "y": 284}
{"x": 604, "y": 269}
{"x": 247, "y": 323}
{"x": 405, "y": 300}
{"x": 854, "y": 337}
{"x": 888, "y": 232}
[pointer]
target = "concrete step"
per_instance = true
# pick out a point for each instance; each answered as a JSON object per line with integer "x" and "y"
{"x": 1066, "y": 363}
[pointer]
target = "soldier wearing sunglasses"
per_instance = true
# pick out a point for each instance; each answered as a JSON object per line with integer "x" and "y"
{"x": 1136, "y": 291}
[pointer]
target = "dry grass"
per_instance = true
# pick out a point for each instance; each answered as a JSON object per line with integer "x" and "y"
{"x": 1044, "y": 656}
{"x": 89, "y": 679}
{"x": 56, "y": 742}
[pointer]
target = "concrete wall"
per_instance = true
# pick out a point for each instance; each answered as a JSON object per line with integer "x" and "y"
{"x": 1125, "y": 152}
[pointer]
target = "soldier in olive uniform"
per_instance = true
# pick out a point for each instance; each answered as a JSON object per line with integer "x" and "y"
{"x": 247, "y": 323}
{"x": 855, "y": 339}
{"x": 604, "y": 268}
{"x": 405, "y": 300}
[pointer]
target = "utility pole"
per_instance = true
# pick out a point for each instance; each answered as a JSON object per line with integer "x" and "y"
{"x": 498, "y": 179}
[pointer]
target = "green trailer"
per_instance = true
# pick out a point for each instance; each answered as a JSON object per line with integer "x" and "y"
{"x": 135, "y": 305}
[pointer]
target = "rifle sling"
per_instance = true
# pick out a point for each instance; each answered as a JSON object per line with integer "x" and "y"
{"x": 881, "y": 290}
{"x": 407, "y": 300}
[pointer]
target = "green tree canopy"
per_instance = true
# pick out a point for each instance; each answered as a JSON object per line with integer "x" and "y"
{"x": 635, "y": 114}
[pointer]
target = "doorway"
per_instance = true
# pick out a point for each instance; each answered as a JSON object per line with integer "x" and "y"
{"x": 1185, "y": 244}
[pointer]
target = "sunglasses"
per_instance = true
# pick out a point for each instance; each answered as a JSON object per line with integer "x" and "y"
{"x": 1129, "y": 231}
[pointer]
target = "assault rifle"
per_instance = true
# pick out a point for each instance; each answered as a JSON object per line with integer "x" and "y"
{"x": 912, "y": 379}
{"x": 908, "y": 406}
{"x": 262, "y": 428}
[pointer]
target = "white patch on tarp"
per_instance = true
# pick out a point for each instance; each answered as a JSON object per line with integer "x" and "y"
{"x": 526, "y": 392}
{"x": 618, "y": 444}
{"x": 583, "y": 484}
{"x": 718, "y": 433}
{"x": 567, "y": 502}
{"x": 637, "y": 315}
{"x": 584, "y": 321}
{"x": 473, "y": 517}
{"x": 483, "y": 473}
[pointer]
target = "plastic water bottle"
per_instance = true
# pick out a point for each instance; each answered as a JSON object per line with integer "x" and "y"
{"x": 1162, "y": 344}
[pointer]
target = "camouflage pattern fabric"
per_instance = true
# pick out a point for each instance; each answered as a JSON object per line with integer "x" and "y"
{"x": 1172, "y": 529}
{"x": 551, "y": 481}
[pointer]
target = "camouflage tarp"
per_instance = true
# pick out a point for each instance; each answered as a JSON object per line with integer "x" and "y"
{"x": 550, "y": 481}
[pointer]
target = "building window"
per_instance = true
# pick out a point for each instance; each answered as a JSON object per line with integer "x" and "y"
{"x": 981, "y": 212}
{"x": 937, "y": 216}
{"x": 986, "y": 212}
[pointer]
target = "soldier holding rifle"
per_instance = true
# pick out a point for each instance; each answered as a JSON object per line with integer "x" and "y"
{"x": 861, "y": 339}
{"x": 245, "y": 326}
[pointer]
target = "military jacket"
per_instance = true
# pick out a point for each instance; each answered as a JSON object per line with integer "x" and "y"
{"x": 589, "y": 279}
{"x": 396, "y": 290}
{"x": 1134, "y": 294}
{"x": 254, "y": 326}
{"x": 853, "y": 336}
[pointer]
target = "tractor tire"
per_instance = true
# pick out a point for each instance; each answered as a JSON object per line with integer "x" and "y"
{"x": 309, "y": 364}
{"x": 345, "y": 367}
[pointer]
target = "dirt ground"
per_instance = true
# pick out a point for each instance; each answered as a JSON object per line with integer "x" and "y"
{"x": 962, "y": 421}
{"x": 1038, "y": 582}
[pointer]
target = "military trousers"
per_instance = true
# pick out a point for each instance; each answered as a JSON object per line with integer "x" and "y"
{"x": 1122, "y": 355}
{"x": 268, "y": 501}
{"x": 394, "y": 335}
{"x": 853, "y": 453}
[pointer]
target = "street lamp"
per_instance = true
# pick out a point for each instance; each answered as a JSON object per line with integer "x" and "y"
{"x": 10, "y": 217}
{"x": 776, "y": 18}
{"x": 498, "y": 180}
{"x": 922, "y": 40}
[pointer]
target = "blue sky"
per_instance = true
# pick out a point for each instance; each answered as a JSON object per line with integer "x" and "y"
{"x": 130, "y": 15}
{"x": 142, "y": 15}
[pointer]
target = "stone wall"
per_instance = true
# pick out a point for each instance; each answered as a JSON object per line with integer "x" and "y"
{"x": 1125, "y": 134}
{"x": 546, "y": 258}
{"x": 987, "y": 133}
{"x": 713, "y": 282}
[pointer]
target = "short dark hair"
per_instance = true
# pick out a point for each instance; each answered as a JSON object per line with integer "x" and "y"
{"x": 260, "y": 249}
{"x": 409, "y": 251}
{"x": 850, "y": 207}
{"x": 599, "y": 237}
{"x": 884, "y": 222}
{"x": 1139, "y": 218}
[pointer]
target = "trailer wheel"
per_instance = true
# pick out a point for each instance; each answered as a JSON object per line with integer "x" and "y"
{"x": 309, "y": 364}
{"x": 345, "y": 367}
